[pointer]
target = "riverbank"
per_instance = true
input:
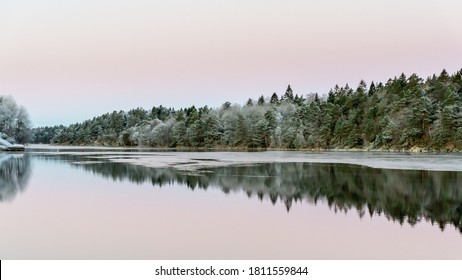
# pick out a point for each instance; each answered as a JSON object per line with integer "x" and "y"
{"x": 415, "y": 149}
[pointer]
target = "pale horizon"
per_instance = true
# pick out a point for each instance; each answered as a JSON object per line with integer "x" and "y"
{"x": 68, "y": 62}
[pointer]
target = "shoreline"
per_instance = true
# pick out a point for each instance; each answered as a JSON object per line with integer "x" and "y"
{"x": 193, "y": 160}
{"x": 413, "y": 150}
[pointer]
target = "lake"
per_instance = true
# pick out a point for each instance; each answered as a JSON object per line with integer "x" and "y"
{"x": 92, "y": 203}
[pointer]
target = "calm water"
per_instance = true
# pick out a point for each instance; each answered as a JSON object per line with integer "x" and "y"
{"x": 280, "y": 205}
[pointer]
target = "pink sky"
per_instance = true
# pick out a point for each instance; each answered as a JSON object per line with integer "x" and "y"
{"x": 67, "y": 61}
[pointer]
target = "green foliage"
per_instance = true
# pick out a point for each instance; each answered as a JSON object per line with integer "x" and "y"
{"x": 274, "y": 99}
{"x": 405, "y": 112}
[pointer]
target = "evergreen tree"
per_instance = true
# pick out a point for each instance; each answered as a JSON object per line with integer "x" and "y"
{"x": 403, "y": 113}
{"x": 288, "y": 95}
{"x": 274, "y": 99}
{"x": 249, "y": 103}
{"x": 261, "y": 100}
{"x": 240, "y": 138}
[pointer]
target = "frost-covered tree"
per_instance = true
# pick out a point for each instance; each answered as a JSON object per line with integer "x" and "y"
{"x": 274, "y": 99}
{"x": 405, "y": 112}
{"x": 14, "y": 120}
{"x": 289, "y": 94}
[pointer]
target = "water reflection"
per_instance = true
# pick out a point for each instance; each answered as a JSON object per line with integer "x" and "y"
{"x": 15, "y": 171}
{"x": 404, "y": 196}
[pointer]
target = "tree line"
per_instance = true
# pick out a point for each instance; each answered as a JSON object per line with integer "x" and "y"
{"x": 403, "y": 113}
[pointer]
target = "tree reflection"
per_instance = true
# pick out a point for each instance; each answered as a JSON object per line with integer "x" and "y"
{"x": 404, "y": 196}
{"x": 15, "y": 171}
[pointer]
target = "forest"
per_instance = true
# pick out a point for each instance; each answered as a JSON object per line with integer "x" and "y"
{"x": 403, "y": 113}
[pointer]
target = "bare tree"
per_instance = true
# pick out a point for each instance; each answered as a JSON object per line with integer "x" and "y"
{"x": 14, "y": 120}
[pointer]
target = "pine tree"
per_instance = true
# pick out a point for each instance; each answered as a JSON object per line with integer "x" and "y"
{"x": 261, "y": 100}
{"x": 274, "y": 99}
{"x": 289, "y": 95}
{"x": 241, "y": 136}
{"x": 249, "y": 103}
{"x": 372, "y": 89}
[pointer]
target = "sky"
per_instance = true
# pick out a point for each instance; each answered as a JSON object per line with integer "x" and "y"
{"x": 67, "y": 61}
